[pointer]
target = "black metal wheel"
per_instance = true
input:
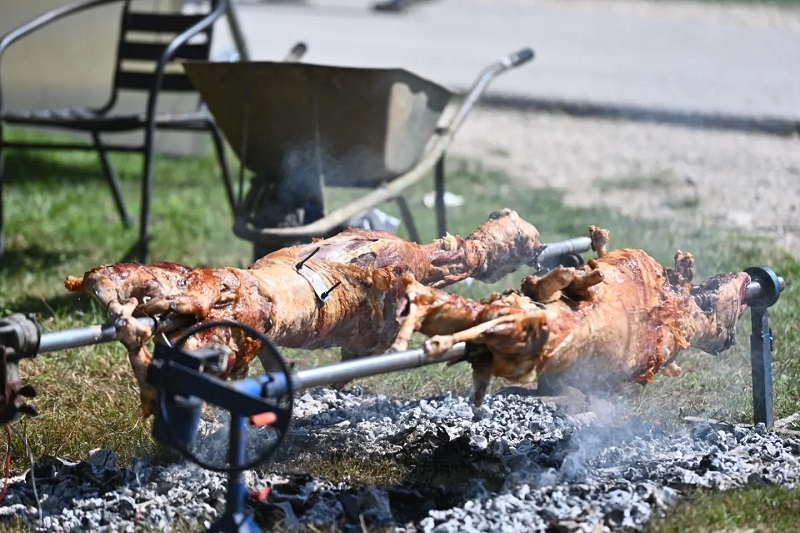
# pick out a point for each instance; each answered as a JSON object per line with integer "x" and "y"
{"x": 214, "y": 442}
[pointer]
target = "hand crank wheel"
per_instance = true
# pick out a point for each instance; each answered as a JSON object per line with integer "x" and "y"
{"x": 223, "y": 440}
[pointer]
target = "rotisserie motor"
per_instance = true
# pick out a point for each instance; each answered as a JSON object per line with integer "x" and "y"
{"x": 623, "y": 315}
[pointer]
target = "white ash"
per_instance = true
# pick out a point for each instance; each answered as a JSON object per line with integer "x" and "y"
{"x": 211, "y": 442}
{"x": 542, "y": 464}
{"x": 514, "y": 464}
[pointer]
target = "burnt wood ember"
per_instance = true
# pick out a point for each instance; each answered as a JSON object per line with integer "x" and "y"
{"x": 622, "y": 317}
{"x": 359, "y": 269}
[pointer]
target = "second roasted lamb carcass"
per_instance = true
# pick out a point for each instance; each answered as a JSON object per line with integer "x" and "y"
{"x": 621, "y": 317}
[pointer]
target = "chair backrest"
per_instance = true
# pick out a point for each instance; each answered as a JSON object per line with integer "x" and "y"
{"x": 144, "y": 36}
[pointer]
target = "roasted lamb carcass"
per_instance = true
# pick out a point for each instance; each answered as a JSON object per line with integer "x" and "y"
{"x": 359, "y": 269}
{"x": 620, "y": 318}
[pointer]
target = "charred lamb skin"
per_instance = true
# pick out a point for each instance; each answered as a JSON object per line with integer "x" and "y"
{"x": 361, "y": 315}
{"x": 620, "y": 318}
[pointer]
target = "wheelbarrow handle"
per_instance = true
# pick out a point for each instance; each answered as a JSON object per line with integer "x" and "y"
{"x": 482, "y": 83}
{"x": 520, "y": 57}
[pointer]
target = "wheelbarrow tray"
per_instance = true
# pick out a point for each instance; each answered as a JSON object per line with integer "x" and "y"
{"x": 301, "y": 127}
{"x": 297, "y": 122}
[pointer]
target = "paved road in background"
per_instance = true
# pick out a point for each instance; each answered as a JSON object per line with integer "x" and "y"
{"x": 583, "y": 55}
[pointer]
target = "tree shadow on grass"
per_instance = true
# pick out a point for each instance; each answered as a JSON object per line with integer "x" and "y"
{"x": 16, "y": 261}
{"x": 60, "y": 305}
{"x": 21, "y": 166}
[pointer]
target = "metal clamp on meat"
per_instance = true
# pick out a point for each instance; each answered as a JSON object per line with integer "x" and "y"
{"x": 322, "y": 291}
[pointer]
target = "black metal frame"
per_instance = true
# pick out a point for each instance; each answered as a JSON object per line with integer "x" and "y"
{"x": 761, "y": 341}
{"x": 99, "y": 120}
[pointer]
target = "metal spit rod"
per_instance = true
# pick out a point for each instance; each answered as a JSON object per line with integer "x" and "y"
{"x": 371, "y": 366}
{"x": 753, "y": 289}
{"x": 275, "y": 384}
{"x": 575, "y": 245}
{"x": 75, "y": 338}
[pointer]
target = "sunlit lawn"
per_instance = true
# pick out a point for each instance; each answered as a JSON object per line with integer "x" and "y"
{"x": 61, "y": 220}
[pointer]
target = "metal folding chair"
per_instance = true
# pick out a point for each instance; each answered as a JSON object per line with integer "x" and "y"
{"x": 142, "y": 40}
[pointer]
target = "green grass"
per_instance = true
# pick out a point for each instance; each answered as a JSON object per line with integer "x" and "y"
{"x": 762, "y": 510}
{"x": 60, "y": 220}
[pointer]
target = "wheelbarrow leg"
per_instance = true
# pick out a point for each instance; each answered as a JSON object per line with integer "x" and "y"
{"x": 2, "y": 215}
{"x": 441, "y": 214}
{"x": 408, "y": 218}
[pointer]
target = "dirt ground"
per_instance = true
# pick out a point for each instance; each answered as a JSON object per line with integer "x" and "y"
{"x": 699, "y": 177}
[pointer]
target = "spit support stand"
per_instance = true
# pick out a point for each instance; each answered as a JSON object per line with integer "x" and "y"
{"x": 762, "y": 293}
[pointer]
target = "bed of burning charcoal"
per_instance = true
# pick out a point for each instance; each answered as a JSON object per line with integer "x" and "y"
{"x": 516, "y": 463}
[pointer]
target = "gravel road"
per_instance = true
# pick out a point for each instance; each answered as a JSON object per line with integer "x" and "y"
{"x": 730, "y": 180}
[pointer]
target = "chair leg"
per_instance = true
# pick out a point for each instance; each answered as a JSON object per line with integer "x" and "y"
{"x": 147, "y": 192}
{"x": 2, "y": 233}
{"x": 223, "y": 163}
{"x": 113, "y": 181}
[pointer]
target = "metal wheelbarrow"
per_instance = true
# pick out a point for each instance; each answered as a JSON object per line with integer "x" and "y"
{"x": 300, "y": 127}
